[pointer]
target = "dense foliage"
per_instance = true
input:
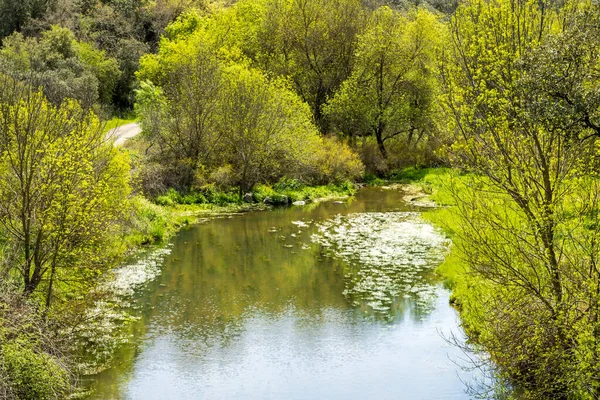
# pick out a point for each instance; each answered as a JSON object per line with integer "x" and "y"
{"x": 63, "y": 66}
{"x": 521, "y": 88}
{"x": 391, "y": 93}
{"x": 215, "y": 121}
{"x": 62, "y": 188}
{"x": 272, "y": 96}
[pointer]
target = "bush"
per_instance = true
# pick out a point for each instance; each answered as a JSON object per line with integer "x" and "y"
{"x": 218, "y": 197}
{"x": 170, "y": 198}
{"x": 261, "y": 192}
{"x": 223, "y": 177}
{"x": 372, "y": 159}
{"x": 286, "y": 183}
{"x": 277, "y": 200}
{"x": 149, "y": 223}
{"x": 32, "y": 374}
{"x": 193, "y": 198}
{"x": 30, "y": 363}
{"x": 373, "y": 180}
{"x": 281, "y": 194}
{"x": 337, "y": 162}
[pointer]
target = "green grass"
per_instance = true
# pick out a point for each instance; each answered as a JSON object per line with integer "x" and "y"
{"x": 292, "y": 190}
{"x": 441, "y": 184}
{"x": 284, "y": 192}
{"x": 115, "y": 122}
{"x": 438, "y": 183}
{"x": 154, "y": 223}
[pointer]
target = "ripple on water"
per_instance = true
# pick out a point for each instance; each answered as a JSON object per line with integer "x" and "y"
{"x": 390, "y": 257}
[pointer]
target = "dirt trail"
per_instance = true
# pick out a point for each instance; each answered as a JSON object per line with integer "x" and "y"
{"x": 122, "y": 133}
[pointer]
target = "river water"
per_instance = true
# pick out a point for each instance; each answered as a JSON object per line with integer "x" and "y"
{"x": 336, "y": 300}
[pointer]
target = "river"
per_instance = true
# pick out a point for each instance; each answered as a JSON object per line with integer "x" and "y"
{"x": 335, "y": 300}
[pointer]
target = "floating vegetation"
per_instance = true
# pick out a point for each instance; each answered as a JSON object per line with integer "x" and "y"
{"x": 105, "y": 325}
{"x": 301, "y": 224}
{"x": 390, "y": 256}
{"x": 129, "y": 277}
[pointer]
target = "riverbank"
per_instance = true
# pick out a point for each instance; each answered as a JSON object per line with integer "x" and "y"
{"x": 156, "y": 221}
{"x": 468, "y": 292}
{"x": 352, "y": 282}
{"x": 145, "y": 246}
{"x": 434, "y": 187}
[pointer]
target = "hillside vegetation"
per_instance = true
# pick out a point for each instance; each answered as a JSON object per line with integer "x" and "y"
{"x": 275, "y": 101}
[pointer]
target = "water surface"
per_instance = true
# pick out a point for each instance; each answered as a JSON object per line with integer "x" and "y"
{"x": 330, "y": 301}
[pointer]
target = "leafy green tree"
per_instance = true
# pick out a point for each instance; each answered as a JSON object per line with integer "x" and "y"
{"x": 266, "y": 129}
{"x": 127, "y": 30}
{"x": 105, "y": 69}
{"x": 392, "y": 90}
{"x": 15, "y": 14}
{"x": 238, "y": 125}
{"x": 529, "y": 216}
{"x": 313, "y": 43}
{"x": 62, "y": 191}
{"x": 64, "y": 67}
{"x": 181, "y": 118}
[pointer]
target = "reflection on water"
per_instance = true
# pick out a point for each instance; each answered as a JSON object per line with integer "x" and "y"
{"x": 336, "y": 301}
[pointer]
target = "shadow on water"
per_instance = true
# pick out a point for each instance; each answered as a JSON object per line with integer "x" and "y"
{"x": 334, "y": 301}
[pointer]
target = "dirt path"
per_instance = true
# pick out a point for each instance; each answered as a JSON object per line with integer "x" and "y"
{"x": 121, "y": 133}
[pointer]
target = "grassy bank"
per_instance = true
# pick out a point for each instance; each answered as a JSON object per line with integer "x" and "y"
{"x": 155, "y": 221}
{"x": 438, "y": 184}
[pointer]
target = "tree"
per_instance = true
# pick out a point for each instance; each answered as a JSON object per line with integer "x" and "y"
{"x": 63, "y": 188}
{"x": 64, "y": 67}
{"x": 226, "y": 124}
{"x": 266, "y": 129}
{"x": 15, "y": 14}
{"x": 529, "y": 215}
{"x": 312, "y": 42}
{"x": 181, "y": 119}
{"x": 392, "y": 90}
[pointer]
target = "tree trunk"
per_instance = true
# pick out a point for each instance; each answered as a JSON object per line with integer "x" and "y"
{"x": 49, "y": 292}
{"x": 380, "y": 124}
{"x": 380, "y": 145}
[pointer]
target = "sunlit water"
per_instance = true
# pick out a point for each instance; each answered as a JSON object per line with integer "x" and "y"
{"x": 330, "y": 301}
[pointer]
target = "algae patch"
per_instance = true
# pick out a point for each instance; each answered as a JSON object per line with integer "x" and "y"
{"x": 390, "y": 256}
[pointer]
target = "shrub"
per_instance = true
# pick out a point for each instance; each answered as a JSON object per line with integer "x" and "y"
{"x": 32, "y": 374}
{"x": 337, "y": 162}
{"x": 286, "y": 183}
{"x": 31, "y": 365}
{"x": 170, "y": 198}
{"x": 218, "y": 197}
{"x": 223, "y": 177}
{"x": 372, "y": 159}
{"x": 149, "y": 223}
